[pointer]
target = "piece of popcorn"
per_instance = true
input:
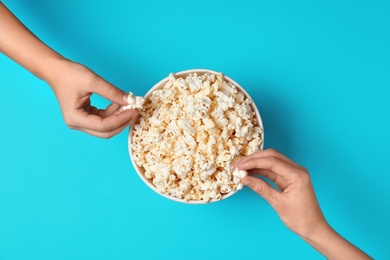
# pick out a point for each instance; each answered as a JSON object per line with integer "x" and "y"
{"x": 225, "y": 189}
{"x": 134, "y": 102}
{"x": 182, "y": 166}
{"x": 238, "y": 175}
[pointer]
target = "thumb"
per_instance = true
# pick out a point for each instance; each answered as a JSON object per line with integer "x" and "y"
{"x": 109, "y": 91}
{"x": 261, "y": 187}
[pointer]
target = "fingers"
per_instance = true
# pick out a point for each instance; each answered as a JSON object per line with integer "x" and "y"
{"x": 102, "y": 123}
{"x": 109, "y": 123}
{"x": 110, "y": 110}
{"x": 109, "y": 91}
{"x": 262, "y": 188}
{"x": 267, "y": 153}
{"x": 113, "y": 109}
{"x": 273, "y": 164}
{"x": 105, "y": 135}
{"x": 83, "y": 119}
{"x": 278, "y": 180}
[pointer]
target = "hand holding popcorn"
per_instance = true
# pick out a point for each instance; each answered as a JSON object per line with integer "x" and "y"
{"x": 295, "y": 202}
{"x": 72, "y": 83}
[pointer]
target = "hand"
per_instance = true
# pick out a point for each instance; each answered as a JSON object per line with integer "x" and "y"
{"x": 295, "y": 202}
{"x": 73, "y": 85}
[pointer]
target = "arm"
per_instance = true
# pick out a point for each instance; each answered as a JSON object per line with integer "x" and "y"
{"x": 72, "y": 83}
{"x": 295, "y": 202}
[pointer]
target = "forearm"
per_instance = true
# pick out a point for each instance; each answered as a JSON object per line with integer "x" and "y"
{"x": 333, "y": 246}
{"x": 18, "y": 43}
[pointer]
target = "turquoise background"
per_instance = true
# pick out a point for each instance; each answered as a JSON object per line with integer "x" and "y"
{"x": 319, "y": 72}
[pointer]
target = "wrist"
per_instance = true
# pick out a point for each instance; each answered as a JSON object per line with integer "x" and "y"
{"x": 52, "y": 67}
{"x": 333, "y": 246}
{"x": 328, "y": 242}
{"x": 317, "y": 233}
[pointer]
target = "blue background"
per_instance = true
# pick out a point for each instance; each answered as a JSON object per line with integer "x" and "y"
{"x": 319, "y": 72}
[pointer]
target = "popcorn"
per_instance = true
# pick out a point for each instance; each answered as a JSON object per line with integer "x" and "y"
{"x": 189, "y": 134}
{"x": 134, "y": 102}
{"x": 237, "y": 176}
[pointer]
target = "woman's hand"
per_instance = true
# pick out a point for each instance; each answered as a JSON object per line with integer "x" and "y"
{"x": 295, "y": 202}
{"x": 73, "y": 85}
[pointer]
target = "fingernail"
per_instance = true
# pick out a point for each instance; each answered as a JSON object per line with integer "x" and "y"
{"x": 236, "y": 161}
{"x": 125, "y": 96}
{"x": 136, "y": 112}
{"x": 244, "y": 181}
